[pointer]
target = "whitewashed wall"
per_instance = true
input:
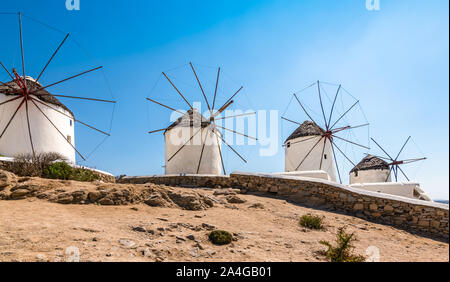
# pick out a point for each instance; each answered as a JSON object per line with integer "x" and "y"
{"x": 45, "y": 137}
{"x": 186, "y": 161}
{"x": 370, "y": 176}
{"x": 403, "y": 189}
{"x": 295, "y": 153}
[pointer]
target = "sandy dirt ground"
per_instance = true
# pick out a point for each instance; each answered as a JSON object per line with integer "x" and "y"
{"x": 37, "y": 230}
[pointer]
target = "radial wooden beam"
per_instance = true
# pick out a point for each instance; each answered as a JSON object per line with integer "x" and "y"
{"x": 306, "y": 112}
{"x": 220, "y": 153}
{"x": 29, "y": 128}
{"x": 51, "y": 58}
{"x": 321, "y": 106}
{"x": 76, "y": 97}
{"x": 165, "y": 106}
{"x": 71, "y": 117}
{"x": 11, "y": 119}
{"x": 10, "y": 75}
{"x": 236, "y": 132}
{"x": 203, "y": 148}
{"x": 348, "y": 159}
{"x": 334, "y": 102}
{"x": 11, "y": 100}
{"x": 379, "y": 146}
{"x": 403, "y": 147}
{"x": 336, "y": 163}
{"x": 404, "y": 174}
{"x": 21, "y": 44}
{"x": 309, "y": 152}
{"x": 234, "y": 95}
{"x": 229, "y": 146}
{"x": 343, "y": 115}
{"x": 304, "y": 140}
{"x": 201, "y": 87}
{"x": 173, "y": 85}
{"x": 158, "y": 130}
{"x": 233, "y": 116}
{"x": 292, "y": 121}
{"x": 184, "y": 145}
{"x": 64, "y": 137}
{"x": 64, "y": 80}
{"x": 215, "y": 90}
{"x": 356, "y": 144}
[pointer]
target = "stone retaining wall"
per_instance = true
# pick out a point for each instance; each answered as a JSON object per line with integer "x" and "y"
{"x": 409, "y": 214}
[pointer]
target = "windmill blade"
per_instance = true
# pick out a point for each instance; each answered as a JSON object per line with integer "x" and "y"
{"x": 321, "y": 156}
{"x": 199, "y": 84}
{"x": 336, "y": 163}
{"x": 158, "y": 130}
{"x": 220, "y": 153}
{"x": 224, "y": 107}
{"x": 11, "y": 119}
{"x": 401, "y": 150}
{"x": 76, "y": 97}
{"x": 389, "y": 174}
{"x": 215, "y": 91}
{"x": 413, "y": 160}
{"x": 382, "y": 149}
{"x": 231, "y": 98}
{"x": 170, "y": 108}
{"x": 236, "y": 132}
{"x": 321, "y": 106}
{"x": 184, "y": 145}
{"x": 203, "y": 149}
{"x": 309, "y": 153}
{"x": 304, "y": 140}
{"x": 334, "y": 102}
{"x": 62, "y": 135}
{"x": 21, "y": 44}
{"x": 362, "y": 146}
{"x": 349, "y": 127}
{"x": 10, "y": 75}
{"x": 301, "y": 105}
{"x": 173, "y": 85}
{"x": 395, "y": 169}
{"x": 51, "y": 58}
{"x": 29, "y": 129}
{"x": 64, "y": 80}
{"x": 343, "y": 115}
{"x": 342, "y": 153}
{"x": 230, "y": 147}
{"x": 240, "y": 115}
{"x": 404, "y": 174}
{"x": 71, "y": 117}
{"x": 11, "y": 100}
{"x": 286, "y": 119}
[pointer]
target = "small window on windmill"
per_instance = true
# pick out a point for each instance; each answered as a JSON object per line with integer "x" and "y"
{"x": 325, "y": 156}
{"x": 69, "y": 138}
{"x": 71, "y": 123}
{"x": 288, "y": 144}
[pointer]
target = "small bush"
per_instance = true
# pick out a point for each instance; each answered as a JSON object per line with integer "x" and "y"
{"x": 343, "y": 251}
{"x": 29, "y": 165}
{"x": 59, "y": 170}
{"x": 86, "y": 175}
{"x": 220, "y": 237}
{"x": 311, "y": 221}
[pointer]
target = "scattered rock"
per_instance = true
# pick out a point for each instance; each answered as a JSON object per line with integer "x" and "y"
{"x": 256, "y": 206}
{"x": 127, "y": 243}
{"x": 233, "y": 199}
{"x": 208, "y": 226}
{"x": 190, "y": 237}
{"x": 138, "y": 229}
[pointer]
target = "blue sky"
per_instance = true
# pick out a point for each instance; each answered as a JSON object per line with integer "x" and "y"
{"x": 394, "y": 60}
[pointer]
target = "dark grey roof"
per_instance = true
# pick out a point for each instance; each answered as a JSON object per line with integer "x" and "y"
{"x": 308, "y": 128}
{"x": 191, "y": 118}
{"x": 370, "y": 163}
{"x": 13, "y": 89}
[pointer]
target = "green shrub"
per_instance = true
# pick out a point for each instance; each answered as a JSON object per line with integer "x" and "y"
{"x": 29, "y": 165}
{"x": 311, "y": 221}
{"x": 343, "y": 251}
{"x": 59, "y": 170}
{"x": 82, "y": 174}
{"x": 220, "y": 237}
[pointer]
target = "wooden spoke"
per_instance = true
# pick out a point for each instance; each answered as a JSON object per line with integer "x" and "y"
{"x": 382, "y": 149}
{"x": 389, "y": 174}
{"x": 231, "y": 98}
{"x": 158, "y": 130}
{"x": 220, "y": 152}
{"x": 11, "y": 119}
{"x": 241, "y": 115}
{"x": 215, "y": 91}
{"x": 286, "y": 119}
{"x": 343, "y": 115}
{"x": 173, "y": 85}
{"x": 224, "y": 107}
{"x": 334, "y": 102}
{"x": 315, "y": 145}
{"x": 304, "y": 140}
{"x": 64, "y": 80}
{"x": 321, "y": 106}
{"x": 229, "y": 146}
{"x": 342, "y": 153}
{"x": 201, "y": 154}
{"x": 201, "y": 87}
{"x": 170, "y": 108}
{"x": 401, "y": 150}
{"x": 404, "y": 174}
{"x": 10, "y": 100}
{"x": 71, "y": 117}
{"x": 236, "y": 132}
{"x": 29, "y": 129}
{"x": 362, "y": 146}
{"x": 336, "y": 163}
{"x": 184, "y": 145}
{"x": 75, "y": 97}
{"x": 306, "y": 112}
{"x": 51, "y": 58}
{"x": 3, "y": 66}
{"x": 32, "y": 100}
{"x": 21, "y": 45}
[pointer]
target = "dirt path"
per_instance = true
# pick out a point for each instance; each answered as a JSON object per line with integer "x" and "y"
{"x": 37, "y": 230}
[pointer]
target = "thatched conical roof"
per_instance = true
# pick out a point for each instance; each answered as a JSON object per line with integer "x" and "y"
{"x": 370, "y": 163}
{"x": 191, "y": 118}
{"x": 308, "y": 128}
{"x": 11, "y": 88}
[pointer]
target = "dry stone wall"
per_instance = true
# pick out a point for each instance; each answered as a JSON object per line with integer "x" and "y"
{"x": 409, "y": 214}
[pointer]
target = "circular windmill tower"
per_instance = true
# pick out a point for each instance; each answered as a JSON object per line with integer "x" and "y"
{"x": 321, "y": 141}
{"x": 34, "y": 120}
{"x": 194, "y": 142}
